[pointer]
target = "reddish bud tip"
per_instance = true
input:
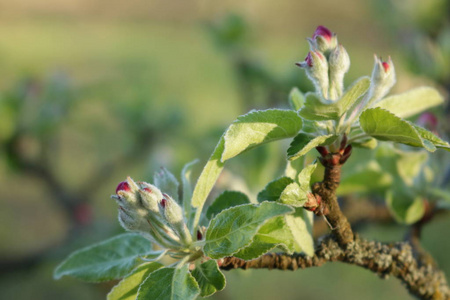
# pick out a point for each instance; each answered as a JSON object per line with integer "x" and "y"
{"x": 147, "y": 189}
{"x": 199, "y": 235}
{"x": 163, "y": 202}
{"x": 386, "y": 66}
{"x": 343, "y": 142}
{"x": 308, "y": 59}
{"x": 322, "y": 150}
{"x": 123, "y": 186}
{"x": 324, "y": 32}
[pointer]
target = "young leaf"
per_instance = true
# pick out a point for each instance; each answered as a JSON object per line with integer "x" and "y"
{"x": 111, "y": 259}
{"x": 226, "y": 200}
{"x": 385, "y": 126}
{"x": 272, "y": 234}
{"x": 259, "y": 127}
{"x": 406, "y": 209}
{"x": 316, "y": 110}
{"x": 354, "y": 92}
{"x": 300, "y": 223}
{"x": 127, "y": 289}
{"x": 209, "y": 176}
{"x": 296, "y": 99}
{"x": 304, "y": 177}
{"x": 169, "y": 284}
{"x": 293, "y": 195}
{"x": 273, "y": 189}
{"x": 429, "y": 136}
{"x": 209, "y": 278}
{"x": 412, "y": 102}
{"x": 187, "y": 187}
{"x": 303, "y": 143}
{"x": 166, "y": 182}
{"x": 234, "y": 228}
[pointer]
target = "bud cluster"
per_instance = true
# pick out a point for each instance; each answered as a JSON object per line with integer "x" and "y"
{"x": 145, "y": 209}
{"x": 326, "y": 63}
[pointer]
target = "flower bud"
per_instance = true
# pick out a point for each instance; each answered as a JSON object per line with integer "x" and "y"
{"x": 323, "y": 40}
{"x": 339, "y": 63}
{"x": 150, "y": 196}
{"x": 173, "y": 214}
{"x": 383, "y": 78}
{"x": 316, "y": 67}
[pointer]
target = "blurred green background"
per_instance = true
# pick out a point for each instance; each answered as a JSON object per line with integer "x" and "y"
{"x": 93, "y": 91}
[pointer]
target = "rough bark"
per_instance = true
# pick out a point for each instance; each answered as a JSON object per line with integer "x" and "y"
{"x": 422, "y": 279}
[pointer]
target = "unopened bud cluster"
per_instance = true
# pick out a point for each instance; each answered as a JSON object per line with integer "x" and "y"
{"x": 145, "y": 209}
{"x": 328, "y": 61}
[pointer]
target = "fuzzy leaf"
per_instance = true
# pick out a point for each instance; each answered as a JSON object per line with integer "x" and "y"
{"x": 111, "y": 259}
{"x": 296, "y": 99}
{"x": 385, "y": 126}
{"x": 293, "y": 195}
{"x": 166, "y": 182}
{"x": 273, "y": 189}
{"x": 169, "y": 284}
{"x": 209, "y": 278}
{"x": 127, "y": 289}
{"x": 353, "y": 93}
{"x": 300, "y": 223}
{"x": 259, "y": 127}
{"x": 429, "y": 136}
{"x": 234, "y": 228}
{"x": 226, "y": 200}
{"x": 187, "y": 187}
{"x": 303, "y": 143}
{"x": 272, "y": 234}
{"x": 412, "y": 102}
{"x": 209, "y": 176}
{"x": 317, "y": 110}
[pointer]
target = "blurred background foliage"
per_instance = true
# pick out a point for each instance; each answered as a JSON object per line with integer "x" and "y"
{"x": 93, "y": 91}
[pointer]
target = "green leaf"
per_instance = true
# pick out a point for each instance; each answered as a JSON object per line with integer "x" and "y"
{"x": 369, "y": 143}
{"x": 166, "y": 182}
{"x": 234, "y": 228}
{"x": 259, "y": 127}
{"x": 303, "y": 143}
{"x": 187, "y": 187}
{"x": 273, "y": 189}
{"x": 209, "y": 278}
{"x": 412, "y": 102}
{"x": 300, "y": 223}
{"x": 293, "y": 195}
{"x": 169, "y": 284}
{"x": 353, "y": 93}
{"x": 209, "y": 176}
{"x": 317, "y": 110}
{"x": 304, "y": 177}
{"x": 429, "y": 136}
{"x": 385, "y": 126}
{"x": 111, "y": 259}
{"x": 272, "y": 234}
{"x": 405, "y": 208}
{"x": 127, "y": 289}
{"x": 296, "y": 99}
{"x": 226, "y": 200}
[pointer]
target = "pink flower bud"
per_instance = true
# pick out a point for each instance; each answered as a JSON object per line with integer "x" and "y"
{"x": 324, "y": 32}
{"x": 386, "y": 66}
{"x": 123, "y": 186}
{"x": 163, "y": 202}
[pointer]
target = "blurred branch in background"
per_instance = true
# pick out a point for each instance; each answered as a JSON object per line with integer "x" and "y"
{"x": 34, "y": 114}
